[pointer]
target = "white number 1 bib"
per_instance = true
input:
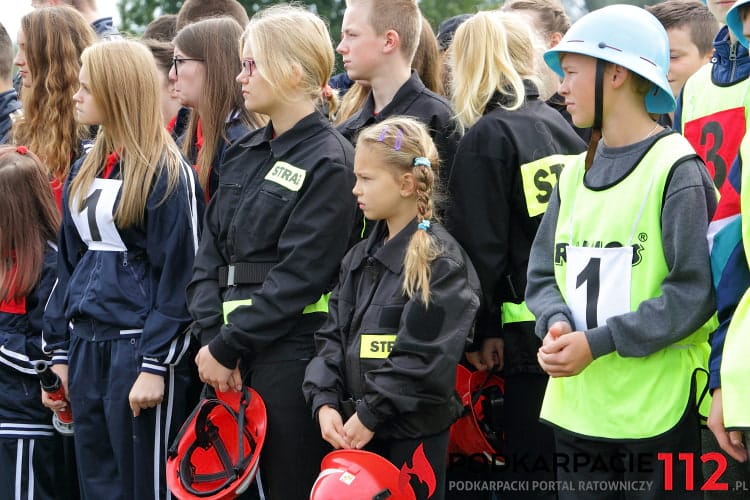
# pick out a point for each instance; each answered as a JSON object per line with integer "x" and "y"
{"x": 597, "y": 284}
{"x": 96, "y": 222}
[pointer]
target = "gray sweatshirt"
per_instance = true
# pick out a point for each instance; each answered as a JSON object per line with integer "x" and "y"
{"x": 687, "y": 299}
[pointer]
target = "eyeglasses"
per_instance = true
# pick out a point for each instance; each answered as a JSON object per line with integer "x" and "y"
{"x": 177, "y": 60}
{"x": 248, "y": 65}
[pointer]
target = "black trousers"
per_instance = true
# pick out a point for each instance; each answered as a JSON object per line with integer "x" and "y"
{"x": 400, "y": 452}
{"x": 634, "y": 463}
{"x": 294, "y": 448}
{"x": 529, "y": 444}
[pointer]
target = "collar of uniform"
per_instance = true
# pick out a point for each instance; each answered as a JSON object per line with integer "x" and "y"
{"x": 400, "y": 103}
{"x": 233, "y": 116}
{"x": 306, "y": 127}
{"x": 497, "y": 99}
{"x": 391, "y": 254}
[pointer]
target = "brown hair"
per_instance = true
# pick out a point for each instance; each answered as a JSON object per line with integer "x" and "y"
{"x": 163, "y": 28}
{"x": 195, "y": 10}
{"x": 215, "y": 41}
{"x": 77, "y": 4}
{"x": 29, "y": 218}
{"x": 55, "y": 38}
{"x": 401, "y": 16}
{"x": 426, "y": 60}
{"x": 401, "y": 142}
{"x": 6, "y": 55}
{"x": 551, "y": 14}
{"x": 691, "y": 14}
{"x": 162, "y": 52}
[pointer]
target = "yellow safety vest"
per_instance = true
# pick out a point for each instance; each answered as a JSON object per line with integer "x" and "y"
{"x": 617, "y": 397}
{"x": 735, "y": 369}
{"x": 714, "y": 120}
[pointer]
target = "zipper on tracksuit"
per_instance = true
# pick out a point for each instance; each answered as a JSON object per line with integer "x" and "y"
{"x": 130, "y": 271}
{"x": 79, "y": 306}
{"x": 733, "y": 58}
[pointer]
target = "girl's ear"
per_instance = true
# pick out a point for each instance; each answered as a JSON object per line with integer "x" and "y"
{"x": 297, "y": 73}
{"x": 407, "y": 185}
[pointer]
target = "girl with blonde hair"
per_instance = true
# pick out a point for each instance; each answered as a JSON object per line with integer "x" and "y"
{"x": 50, "y": 42}
{"x": 384, "y": 375}
{"x": 274, "y": 238}
{"x": 205, "y": 57}
{"x": 115, "y": 324}
{"x": 504, "y": 173}
{"x": 28, "y": 267}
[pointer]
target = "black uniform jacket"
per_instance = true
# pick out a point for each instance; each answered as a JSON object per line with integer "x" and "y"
{"x": 395, "y": 358}
{"x": 285, "y": 209}
{"x": 489, "y": 214}
{"x": 415, "y": 100}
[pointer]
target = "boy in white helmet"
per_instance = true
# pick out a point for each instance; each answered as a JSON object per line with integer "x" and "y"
{"x": 619, "y": 277}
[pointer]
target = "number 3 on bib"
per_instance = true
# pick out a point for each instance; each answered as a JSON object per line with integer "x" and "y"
{"x": 597, "y": 284}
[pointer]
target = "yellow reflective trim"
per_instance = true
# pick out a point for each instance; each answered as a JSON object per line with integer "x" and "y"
{"x": 364, "y": 228}
{"x": 516, "y": 313}
{"x": 321, "y": 306}
{"x": 230, "y": 305}
{"x": 376, "y": 346}
{"x": 539, "y": 179}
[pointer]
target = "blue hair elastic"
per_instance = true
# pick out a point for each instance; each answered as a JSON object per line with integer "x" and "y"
{"x": 421, "y": 161}
{"x": 424, "y": 225}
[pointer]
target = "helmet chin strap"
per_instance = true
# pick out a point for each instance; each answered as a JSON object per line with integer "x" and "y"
{"x": 596, "y": 128}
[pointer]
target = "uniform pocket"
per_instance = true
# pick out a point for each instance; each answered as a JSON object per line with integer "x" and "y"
{"x": 390, "y": 317}
{"x": 136, "y": 272}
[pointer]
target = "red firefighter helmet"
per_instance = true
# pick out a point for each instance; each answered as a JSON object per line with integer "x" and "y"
{"x": 215, "y": 455}
{"x": 480, "y": 429}
{"x": 360, "y": 475}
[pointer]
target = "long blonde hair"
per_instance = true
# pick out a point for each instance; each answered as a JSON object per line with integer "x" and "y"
{"x": 483, "y": 63}
{"x": 402, "y": 143}
{"x": 125, "y": 86}
{"x": 292, "y": 44}
{"x": 55, "y": 38}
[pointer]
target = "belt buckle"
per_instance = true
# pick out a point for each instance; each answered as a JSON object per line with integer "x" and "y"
{"x": 230, "y": 275}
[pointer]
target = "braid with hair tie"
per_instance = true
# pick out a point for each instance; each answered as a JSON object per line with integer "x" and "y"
{"x": 424, "y": 187}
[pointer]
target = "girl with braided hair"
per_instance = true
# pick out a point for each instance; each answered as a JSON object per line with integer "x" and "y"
{"x": 384, "y": 375}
